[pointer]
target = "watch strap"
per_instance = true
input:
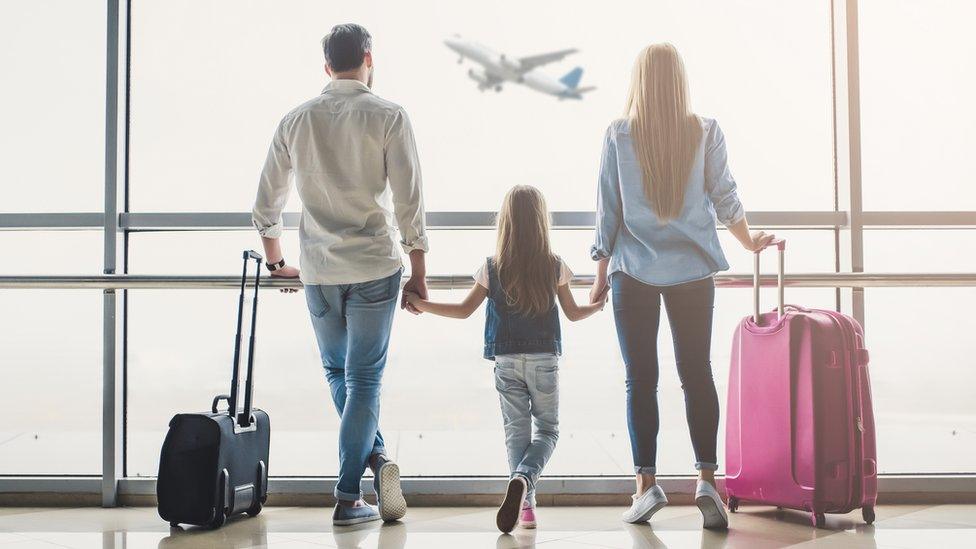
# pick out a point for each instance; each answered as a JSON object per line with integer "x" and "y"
{"x": 272, "y": 267}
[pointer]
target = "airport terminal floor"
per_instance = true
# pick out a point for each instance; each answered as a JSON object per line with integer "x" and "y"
{"x": 942, "y": 526}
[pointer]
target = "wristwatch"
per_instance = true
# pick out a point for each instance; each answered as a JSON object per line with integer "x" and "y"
{"x": 272, "y": 267}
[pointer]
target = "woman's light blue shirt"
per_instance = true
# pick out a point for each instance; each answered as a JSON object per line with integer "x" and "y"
{"x": 631, "y": 235}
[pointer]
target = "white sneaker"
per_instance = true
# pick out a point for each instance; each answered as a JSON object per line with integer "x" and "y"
{"x": 711, "y": 506}
{"x": 645, "y": 505}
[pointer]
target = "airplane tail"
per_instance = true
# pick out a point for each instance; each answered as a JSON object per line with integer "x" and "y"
{"x": 572, "y": 78}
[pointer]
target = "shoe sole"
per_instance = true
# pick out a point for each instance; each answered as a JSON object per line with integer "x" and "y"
{"x": 357, "y": 520}
{"x": 528, "y": 525}
{"x": 508, "y": 511}
{"x": 648, "y": 514}
{"x": 390, "y": 500}
{"x": 712, "y": 514}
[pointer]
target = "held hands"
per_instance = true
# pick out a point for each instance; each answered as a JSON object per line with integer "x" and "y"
{"x": 412, "y": 299}
{"x": 413, "y": 291}
{"x": 599, "y": 292}
{"x": 760, "y": 239}
{"x": 599, "y": 295}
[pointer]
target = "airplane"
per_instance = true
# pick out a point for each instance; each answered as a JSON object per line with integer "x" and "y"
{"x": 497, "y": 69}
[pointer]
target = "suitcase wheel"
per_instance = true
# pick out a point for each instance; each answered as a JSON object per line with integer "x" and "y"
{"x": 819, "y": 520}
{"x": 868, "y": 513}
{"x": 733, "y": 504}
{"x": 255, "y": 509}
{"x": 219, "y": 519}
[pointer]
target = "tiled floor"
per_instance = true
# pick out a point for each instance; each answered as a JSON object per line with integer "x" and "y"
{"x": 940, "y": 527}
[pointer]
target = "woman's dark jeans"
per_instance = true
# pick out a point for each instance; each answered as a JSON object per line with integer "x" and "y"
{"x": 637, "y": 311}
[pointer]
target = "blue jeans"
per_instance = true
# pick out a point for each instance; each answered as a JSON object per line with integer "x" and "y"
{"x": 637, "y": 312}
{"x": 352, "y": 325}
{"x": 528, "y": 389}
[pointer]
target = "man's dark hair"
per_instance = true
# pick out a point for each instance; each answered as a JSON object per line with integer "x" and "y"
{"x": 345, "y": 46}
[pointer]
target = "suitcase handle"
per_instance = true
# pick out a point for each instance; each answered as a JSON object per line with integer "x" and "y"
{"x": 243, "y": 419}
{"x": 216, "y": 401}
{"x": 780, "y": 244}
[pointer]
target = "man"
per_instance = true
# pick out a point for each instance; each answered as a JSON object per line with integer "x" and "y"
{"x": 356, "y": 169}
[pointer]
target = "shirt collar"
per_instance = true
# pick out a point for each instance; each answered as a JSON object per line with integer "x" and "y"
{"x": 346, "y": 84}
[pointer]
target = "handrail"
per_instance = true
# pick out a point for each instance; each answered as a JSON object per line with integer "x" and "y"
{"x": 452, "y": 282}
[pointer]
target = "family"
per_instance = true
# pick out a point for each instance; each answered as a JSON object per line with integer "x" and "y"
{"x": 664, "y": 181}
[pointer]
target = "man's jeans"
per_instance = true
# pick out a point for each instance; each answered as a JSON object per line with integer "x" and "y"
{"x": 352, "y": 325}
{"x": 528, "y": 389}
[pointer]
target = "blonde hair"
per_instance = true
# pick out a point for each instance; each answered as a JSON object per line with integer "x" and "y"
{"x": 524, "y": 260}
{"x": 665, "y": 131}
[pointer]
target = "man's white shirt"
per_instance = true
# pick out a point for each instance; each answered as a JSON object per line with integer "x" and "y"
{"x": 356, "y": 169}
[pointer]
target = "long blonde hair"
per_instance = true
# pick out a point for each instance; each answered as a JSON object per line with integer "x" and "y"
{"x": 524, "y": 260}
{"x": 665, "y": 131}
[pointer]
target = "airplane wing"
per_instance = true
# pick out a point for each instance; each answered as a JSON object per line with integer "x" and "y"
{"x": 533, "y": 61}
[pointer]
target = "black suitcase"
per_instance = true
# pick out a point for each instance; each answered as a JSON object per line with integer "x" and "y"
{"x": 215, "y": 465}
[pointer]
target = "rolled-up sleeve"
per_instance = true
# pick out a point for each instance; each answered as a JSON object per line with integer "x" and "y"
{"x": 719, "y": 183}
{"x": 273, "y": 187}
{"x": 403, "y": 172}
{"x": 609, "y": 209}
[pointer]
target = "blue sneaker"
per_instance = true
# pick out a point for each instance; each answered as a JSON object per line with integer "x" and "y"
{"x": 345, "y": 516}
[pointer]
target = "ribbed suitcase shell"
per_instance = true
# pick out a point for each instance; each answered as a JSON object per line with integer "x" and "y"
{"x": 800, "y": 425}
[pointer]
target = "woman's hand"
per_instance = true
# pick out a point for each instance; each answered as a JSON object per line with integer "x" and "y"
{"x": 758, "y": 240}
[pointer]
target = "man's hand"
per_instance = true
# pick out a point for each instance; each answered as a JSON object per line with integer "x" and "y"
{"x": 286, "y": 272}
{"x": 416, "y": 285}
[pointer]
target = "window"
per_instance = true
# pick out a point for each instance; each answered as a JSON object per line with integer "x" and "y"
{"x": 52, "y": 57}
{"x": 917, "y": 65}
{"x": 761, "y": 68}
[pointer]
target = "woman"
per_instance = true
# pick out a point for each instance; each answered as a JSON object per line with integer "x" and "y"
{"x": 664, "y": 179}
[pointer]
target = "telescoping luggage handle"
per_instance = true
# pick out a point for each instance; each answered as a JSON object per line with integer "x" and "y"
{"x": 780, "y": 244}
{"x": 242, "y": 420}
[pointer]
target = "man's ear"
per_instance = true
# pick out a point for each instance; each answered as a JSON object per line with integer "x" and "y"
{"x": 368, "y": 59}
{"x": 328, "y": 71}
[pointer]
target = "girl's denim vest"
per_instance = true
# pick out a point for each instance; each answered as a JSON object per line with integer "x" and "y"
{"x": 508, "y": 332}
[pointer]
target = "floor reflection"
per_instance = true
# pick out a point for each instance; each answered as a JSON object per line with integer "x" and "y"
{"x": 675, "y": 527}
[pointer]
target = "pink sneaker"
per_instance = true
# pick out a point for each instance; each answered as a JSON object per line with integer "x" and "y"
{"x": 527, "y": 518}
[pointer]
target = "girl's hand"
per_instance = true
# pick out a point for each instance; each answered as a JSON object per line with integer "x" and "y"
{"x": 412, "y": 298}
{"x": 759, "y": 241}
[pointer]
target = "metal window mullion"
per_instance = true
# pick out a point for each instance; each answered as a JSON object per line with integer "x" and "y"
{"x": 847, "y": 138}
{"x": 111, "y": 304}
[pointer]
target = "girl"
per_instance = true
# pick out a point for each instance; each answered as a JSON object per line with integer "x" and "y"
{"x": 664, "y": 180}
{"x": 522, "y": 283}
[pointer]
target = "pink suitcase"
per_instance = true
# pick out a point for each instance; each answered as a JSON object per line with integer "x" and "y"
{"x": 799, "y": 425}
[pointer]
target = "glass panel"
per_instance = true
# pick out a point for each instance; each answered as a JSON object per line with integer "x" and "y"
{"x": 917, "y": 65}
{"x": 459, "y": 432}
{"x": 52, "y": 57}
{"x": 922, "y": 377}
{"x": 52, "y": 357}
{"x": 52, "y": 252}
{"x": 452, "y": 252}
{"x": 52, "y": 382}
{"x": 920, "y": 251}
{"x": 762, "y": 68}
